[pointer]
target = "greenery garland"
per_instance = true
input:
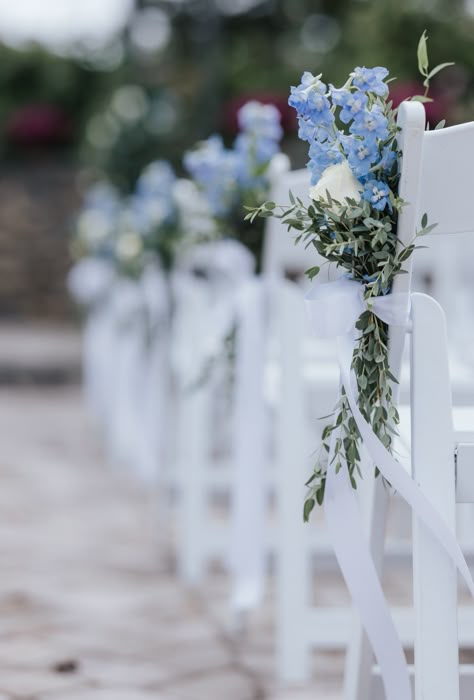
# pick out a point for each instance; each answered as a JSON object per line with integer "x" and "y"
{"x": 357, "y": 232}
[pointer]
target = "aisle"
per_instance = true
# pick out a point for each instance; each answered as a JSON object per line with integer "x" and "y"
{"x": 89, "y": 607}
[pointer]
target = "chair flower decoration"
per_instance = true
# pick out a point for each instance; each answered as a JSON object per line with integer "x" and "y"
{"x": 162, "y": 216}
{"x": 232, "y": 178}
{"x": 351, "y": 221}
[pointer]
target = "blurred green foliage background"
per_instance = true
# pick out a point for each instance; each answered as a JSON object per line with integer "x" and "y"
{"x": 181, "y": 68}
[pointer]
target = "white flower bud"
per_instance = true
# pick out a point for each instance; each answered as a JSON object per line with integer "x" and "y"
{"x": 340, "y": 182}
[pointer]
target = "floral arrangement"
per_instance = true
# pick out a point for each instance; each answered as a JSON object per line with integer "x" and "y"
{"x": 351, "y": 221}
{"x": 237, "y": 177}
{"x": 96, "y": 223}
{"x": 157, "y": 220}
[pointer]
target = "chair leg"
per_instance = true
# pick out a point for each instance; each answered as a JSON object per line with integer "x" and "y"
{"x": 293, "y": 449}
{"x": 249, "y": 497}
{"x": 191, "y": 463}
{"x": 359, "y": 658}
{"x": 434, "y": 575}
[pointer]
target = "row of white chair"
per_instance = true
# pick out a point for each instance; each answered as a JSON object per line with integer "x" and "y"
{"x": 256, "y": 438}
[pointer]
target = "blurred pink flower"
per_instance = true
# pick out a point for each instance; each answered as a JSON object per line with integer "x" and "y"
{"x": 38, "y": 125}
{"x": 435, "y": 111}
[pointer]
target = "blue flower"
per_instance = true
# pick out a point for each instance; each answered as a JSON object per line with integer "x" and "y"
{"x": 255, "y": 151}
{"x": 301, "y": 96}
{"x": 157, "y": 179}
{"x": 388, "y": 159}
{"x": 306, "y": 130}
{"x": 214, "y": 169}
{"x": 371, "y": 124}
{"x": 322, "y": 155}
{"x": 102, "y": 197}
{"x": 260, "y": 120}
{"x": 311, "y": 102}
{"x": 377, "y": 193}
{"x": 361, "y": 154}
{"x": 257, "y": 143}
{"x": 152, "y": 203}
{"x": 371, "y": 80}
{"x": 352, "y": 103}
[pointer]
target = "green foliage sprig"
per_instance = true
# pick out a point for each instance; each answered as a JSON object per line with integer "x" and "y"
{"x": 359, "y": 236}
{"x": 364, "y": 243}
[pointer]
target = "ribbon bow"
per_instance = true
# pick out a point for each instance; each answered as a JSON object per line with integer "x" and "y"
{"x": 333, "y": 309}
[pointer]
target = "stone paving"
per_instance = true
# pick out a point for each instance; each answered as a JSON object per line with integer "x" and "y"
{"x": 89, "y": 606}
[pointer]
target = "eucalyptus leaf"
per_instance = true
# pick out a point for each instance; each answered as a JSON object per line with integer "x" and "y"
{"x": 422, "y": 54}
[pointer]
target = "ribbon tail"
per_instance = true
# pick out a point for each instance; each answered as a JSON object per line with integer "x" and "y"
{"x": 396, "y": 475}
{"x": 352, "y": 551}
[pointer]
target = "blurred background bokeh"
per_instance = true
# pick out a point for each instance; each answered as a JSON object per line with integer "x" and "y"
{"x": 93, "y": 91}
{"x": 98, "y": 89}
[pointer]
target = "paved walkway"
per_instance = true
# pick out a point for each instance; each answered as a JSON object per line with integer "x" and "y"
{"x": 89, "y": 606}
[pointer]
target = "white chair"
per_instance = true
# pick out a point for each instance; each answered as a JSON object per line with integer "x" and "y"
{"x": 302, "y": 627}
{"x": 126, "y": 364}
{"x": 436, "y": 180}
{"x": 243, "y": 475}
{"x": 91, "y": 282}
{"x": 206, "y": 309}
{"x": 153, "y": 406}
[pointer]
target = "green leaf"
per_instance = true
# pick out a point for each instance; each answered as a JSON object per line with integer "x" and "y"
{"x": 320, "y": 494}
{"x": 422, "y": 54}
{"x": 308, "y": 507}
{"x": 392, "y": 377}
{"x": 426, "y": 230}
{"x": 438, "y": 69}
{"x": 440, "y": 125}
{"x": 312, "y": 272}
{"x": 421, "y": 98}
{"x": 424, "y": 220}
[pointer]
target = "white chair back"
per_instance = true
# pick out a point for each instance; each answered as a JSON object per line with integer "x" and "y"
{"x": 435, "y": 181}
{"x": 444, "y": 194}
{"x": 445, "y": 189}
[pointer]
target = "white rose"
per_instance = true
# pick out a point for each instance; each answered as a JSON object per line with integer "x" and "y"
{"x": 339, "y": 181}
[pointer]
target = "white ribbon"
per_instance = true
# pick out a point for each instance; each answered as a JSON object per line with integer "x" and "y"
{"x": 333, "y": 309}
{"x": 127, "y": 359}
{"x": 205, "y": 289}
{"x": 208, "y": 307}
{"x": 247, "y": 544}
{"x": 90, "y": 283}
{"x": 155, "y": 375}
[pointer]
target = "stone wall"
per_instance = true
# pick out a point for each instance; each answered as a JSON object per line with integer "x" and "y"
{"x": 37, "y": 204}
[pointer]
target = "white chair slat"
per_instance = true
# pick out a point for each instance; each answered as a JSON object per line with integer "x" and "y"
{"x": 466, "y": 682}
{"x": 446, "y": 178}
{"x": 294, "y": 454}
{"x": 436, "y": 634}
{"x": 411, "y": 118}
{"x": 465, "y": 472}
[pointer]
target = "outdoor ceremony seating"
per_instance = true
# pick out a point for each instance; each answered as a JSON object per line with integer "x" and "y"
{"x": 434, "y": 180}
{"x": 247, "y": 440}
{"x": 301, "y": 627}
